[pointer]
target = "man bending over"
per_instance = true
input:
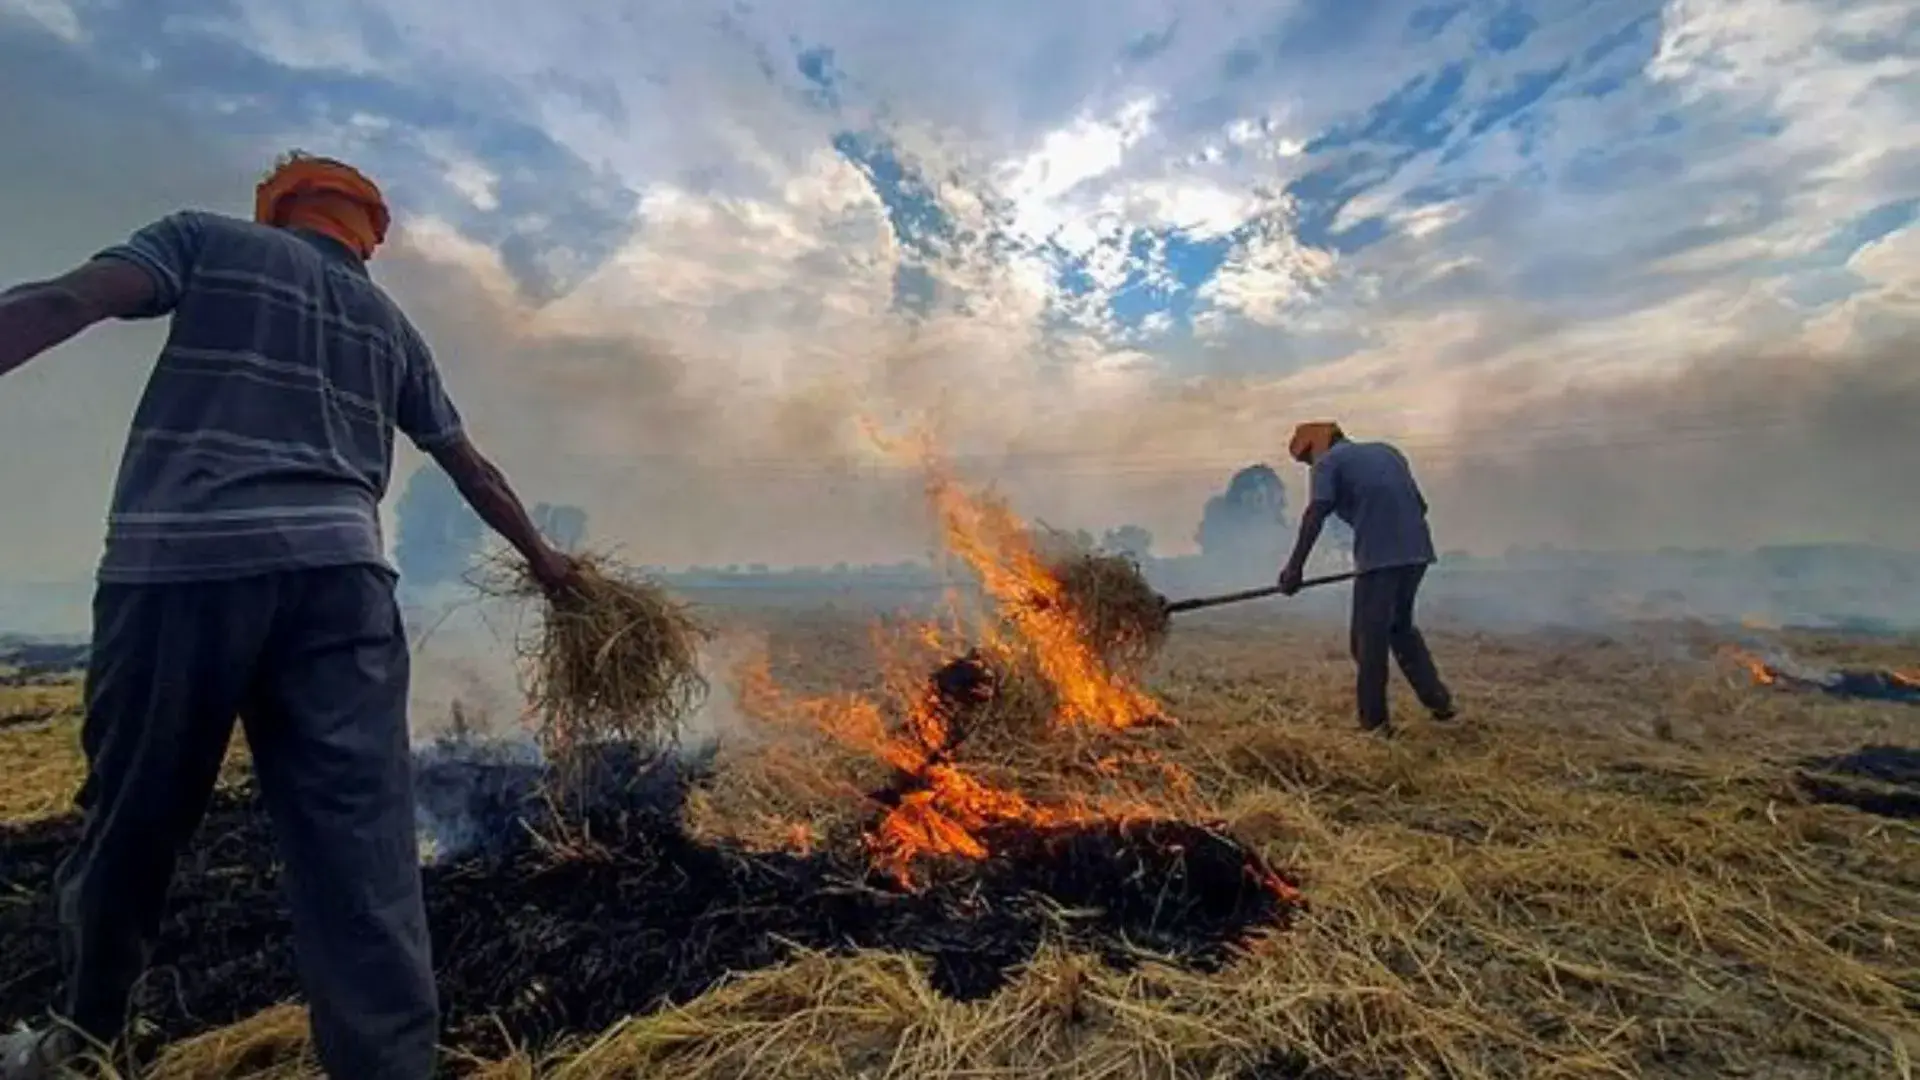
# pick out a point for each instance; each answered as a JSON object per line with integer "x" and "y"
{"x": 1371, "y": 487}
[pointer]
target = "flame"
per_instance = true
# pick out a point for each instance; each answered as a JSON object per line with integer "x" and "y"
{"x": 800, "y": 837}
{"x": 945, "y": 819}
{"x": 1909, "y": 677}
{"x": 936, "y": 807}
{"x": 1763, "y": 674}
{"x": 942, "y": 808}
{"x": 983, "y": 532}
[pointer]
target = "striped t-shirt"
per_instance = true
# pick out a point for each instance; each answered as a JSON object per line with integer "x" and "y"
{"x": 264, "y": 441}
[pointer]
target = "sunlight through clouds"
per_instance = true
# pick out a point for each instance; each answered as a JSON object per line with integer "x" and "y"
{"x": 1145, "y": 234}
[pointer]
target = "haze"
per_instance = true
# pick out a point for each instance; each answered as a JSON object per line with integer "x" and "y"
{"x": 1615, "y": 275}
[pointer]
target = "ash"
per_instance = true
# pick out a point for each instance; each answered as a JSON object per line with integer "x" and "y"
{"x": 1880, "y": 779}
{"x": 1872, "y": 685}
{"x": 541, "y": 931}
{"x": 484, "y": 798}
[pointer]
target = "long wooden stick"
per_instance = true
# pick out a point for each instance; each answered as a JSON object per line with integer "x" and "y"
{"x": 1196, "y": 603}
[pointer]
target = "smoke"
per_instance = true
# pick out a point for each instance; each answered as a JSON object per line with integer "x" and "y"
{"x": 466, "y": 677}
{"x": 719, "y": 719}
{"x": 438, "y": 534}
{"x": 478, "y": 767}
{"x": 700, "y": 396}
{"x": 1776, "y": 447}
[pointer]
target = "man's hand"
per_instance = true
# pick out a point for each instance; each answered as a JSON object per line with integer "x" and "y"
{"x": 1291, "y": 580}
{"x": 555, "y": 570}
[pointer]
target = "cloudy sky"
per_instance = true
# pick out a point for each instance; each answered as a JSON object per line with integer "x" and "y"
{"x": 1615, "y": 273}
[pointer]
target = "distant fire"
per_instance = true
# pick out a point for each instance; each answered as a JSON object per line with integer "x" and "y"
{"x": 1871, "y": 684}
{"x": 1762, "y": 672}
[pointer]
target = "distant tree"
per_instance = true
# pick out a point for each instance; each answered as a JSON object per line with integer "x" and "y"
{"x": 1052, "y": 542}
{"x": 1128, "y": 540}
{"x": 1246, "y": 524}
{"x": 438, "y": 534}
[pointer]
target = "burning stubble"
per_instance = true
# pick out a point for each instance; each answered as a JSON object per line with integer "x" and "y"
{"x": 1027, "y": 680}
{"x": 1784, "y": 673}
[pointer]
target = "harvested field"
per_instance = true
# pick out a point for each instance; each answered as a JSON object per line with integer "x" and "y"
{"x": 542, "y": 941}
{"x": 1612, "y": 865}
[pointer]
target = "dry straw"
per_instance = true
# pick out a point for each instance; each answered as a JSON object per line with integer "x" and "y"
{"x": 1120, "y": 615}
{"x": 1545, "y": 888}
{"x": 616, "y": 658}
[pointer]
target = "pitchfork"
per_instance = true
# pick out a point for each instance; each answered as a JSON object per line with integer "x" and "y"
{"x": 1175, "y": 607}
{"x": 966, "y": 680}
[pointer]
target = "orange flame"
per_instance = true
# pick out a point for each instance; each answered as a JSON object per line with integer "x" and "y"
{"x": 939, "y": 808}
{"x": 985, "y": 533}
{"x": 800, "y": 837}
{"x": 1907, "y": 677}
{"x": 1763, "y": 674}
{"x": 943, "y": 808}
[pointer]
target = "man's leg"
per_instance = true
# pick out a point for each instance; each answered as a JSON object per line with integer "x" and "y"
{"x": 1368, "y": 634}
{"x": 1410, "y": 647}
{"x": 168, "y": 669}
{"x": 328, "y": 730}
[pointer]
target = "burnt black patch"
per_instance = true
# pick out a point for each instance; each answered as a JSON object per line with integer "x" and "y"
{"x": 1882, "y": 780}
{"x": 629, "y": 912}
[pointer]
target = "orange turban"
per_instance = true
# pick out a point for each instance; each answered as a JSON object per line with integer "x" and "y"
{"x": 1312, "y": 439}
{"x": 324, "y": 195}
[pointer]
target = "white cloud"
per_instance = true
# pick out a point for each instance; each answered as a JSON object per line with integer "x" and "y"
{"x": 57, "y": 17}
{"x": 302, "y": 37}
{"x": 1042, "y": 182}
{"x": 752, "y": 311}
{"x": 475, "y": 181}
{"x": 1272, "y": 279}
{"x": 1201, "y": 207}
{"x": 1836, "y": 77}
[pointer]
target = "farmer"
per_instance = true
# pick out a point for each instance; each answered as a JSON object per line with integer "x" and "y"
{"x": 244, "y": 576}
{"x": 1371, "y": 488}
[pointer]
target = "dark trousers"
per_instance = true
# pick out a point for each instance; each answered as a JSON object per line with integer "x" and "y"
{"x": 1383, "y": 623}
{"x": 315, "y": 664}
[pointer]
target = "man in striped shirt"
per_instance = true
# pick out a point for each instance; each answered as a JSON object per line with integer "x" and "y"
{"x": 245, "y": 576}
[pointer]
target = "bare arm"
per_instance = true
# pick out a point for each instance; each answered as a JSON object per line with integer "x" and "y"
{"x": 1311, "y": 523}
{"x": 39, "y": 315}
{"x": 485, "y": 488}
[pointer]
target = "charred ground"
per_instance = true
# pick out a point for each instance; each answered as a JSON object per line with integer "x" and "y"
{"x": 559, "y": 928}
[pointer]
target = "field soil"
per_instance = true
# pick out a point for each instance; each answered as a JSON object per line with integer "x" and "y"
{"x": 1624, "y": 858}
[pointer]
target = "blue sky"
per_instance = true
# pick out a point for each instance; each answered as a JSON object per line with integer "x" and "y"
{"x": 1375, "y": 136}
{"x": 1136, "y": 234}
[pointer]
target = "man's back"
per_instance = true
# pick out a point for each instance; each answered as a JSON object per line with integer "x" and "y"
{"x": 245, "y": 578}
{"x": 265, "y": 438}
{"x": 1371, "y": 488}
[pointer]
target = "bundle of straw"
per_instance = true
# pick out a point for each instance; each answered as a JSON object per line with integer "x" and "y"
{"x": 616, "y": 658}
{"x": 1121, "y": 617}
